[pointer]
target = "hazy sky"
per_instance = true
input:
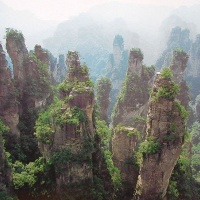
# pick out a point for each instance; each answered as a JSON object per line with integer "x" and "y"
{"x": 60, "y": 10}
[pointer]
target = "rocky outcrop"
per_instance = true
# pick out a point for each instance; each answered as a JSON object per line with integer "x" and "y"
{"x": 163, "y": 145}
{"x": 58, "y": 68}
{"x": 32, "y": 92}
{"x": 72, "y": 126}
{"x": 8, "y": 96}
{"x": 134, "y": 94}
{"x": 130, "y": 114}
{"x": 61, "y": 69}
{"x": 178, "y": 68}
{"x": 103, "y": 88}
{"x": 116, "y": 68}
{"x": 179, "y": 38}
{"x": 16, "y": 48}
{"x": 68, "y": 140}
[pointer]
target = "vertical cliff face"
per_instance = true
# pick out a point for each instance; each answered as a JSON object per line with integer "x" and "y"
{"x": 8, "y": 96}
{"x": 103, "y": 90}
{"x": 178, "y": 67}
{"x": 163, "y": 145}
{"x": 116, "y": 68}
{"x": 61, "y": 69}
{"x": 58, "y": 68}
{"x": 134, "y": 94}
{"x": 129, "y": 118}
{"x": 16, "y": 48}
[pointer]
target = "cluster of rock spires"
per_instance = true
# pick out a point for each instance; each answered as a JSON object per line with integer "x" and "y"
{"x": 153, "y": 125}
{"x": 26, "y": 91}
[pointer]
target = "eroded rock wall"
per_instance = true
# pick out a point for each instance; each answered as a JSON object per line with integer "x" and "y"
{"x": 163, "y": 145}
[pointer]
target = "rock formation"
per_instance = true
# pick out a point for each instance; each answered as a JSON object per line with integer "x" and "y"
{"x": 70, "y": 138}
{"x": 32, "y": 92}
{"x": 163, "y": 144}
{"x": 8, "y": 96}
{"x": 103, "y": 88}
{"x": 58, "y": 68}
{"x": 178, "y": 67}
{"x": 129, "y": 116}
{"x": 116, "y": 68}
{"x": 178, "y": 39}
{"x": 134, "y": 94}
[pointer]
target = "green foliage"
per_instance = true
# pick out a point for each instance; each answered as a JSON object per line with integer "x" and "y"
{"x": 129, "y": 130}
{"x": 180, "y": 55}
{"x": 35, "y": 178}
{"x": 181, "y": 185}
{"x": 168, "y": 91}
{"x": 43, "y": 127}
{"x": 183, "y": 112}
{"x": 195, "y": 161}
{"x": 38, "y": 83}
{"x": 114, "y": 171}
{"x": 98, "y": 190}
{"x": 3, "y": 128}
{"x": 136, "y": 52}
{"x": 5, "y": 196}
{"x": 139, "y": 119}
{"x": 64, "y": 156}
{"x": 150, "y": 146}
{"x": 56, "y": 114}
{"x": 17, "y": 35}
{"x": 173, "y": 192}
{"x": 166, "y": 73}
{"x": 103, "y": 132}
{"x": 66, "y": 86}
{"x": 103, "y": 88}
{"x": 84, "y": 69}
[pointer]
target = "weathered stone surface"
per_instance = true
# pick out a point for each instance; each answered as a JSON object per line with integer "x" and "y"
{"x": 178, "y": 68}
{"x": 131, "y": 110}
{"x": 123, "y": 146}
{"x": 71, "y": 136}
{"x": 8, "y": 96}
{"x": 103, "y": 87}
{"x": 156, "y": 168}
{"x": 134, "y": 95}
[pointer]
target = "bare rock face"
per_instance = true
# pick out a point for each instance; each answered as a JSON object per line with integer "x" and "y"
{"x": 163, "y": 145}
{"x": 8, "y": 96}
{"x": 16, "y": 48}
{"x": 123, "y": 145}
{"x": 103, "y": 88}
